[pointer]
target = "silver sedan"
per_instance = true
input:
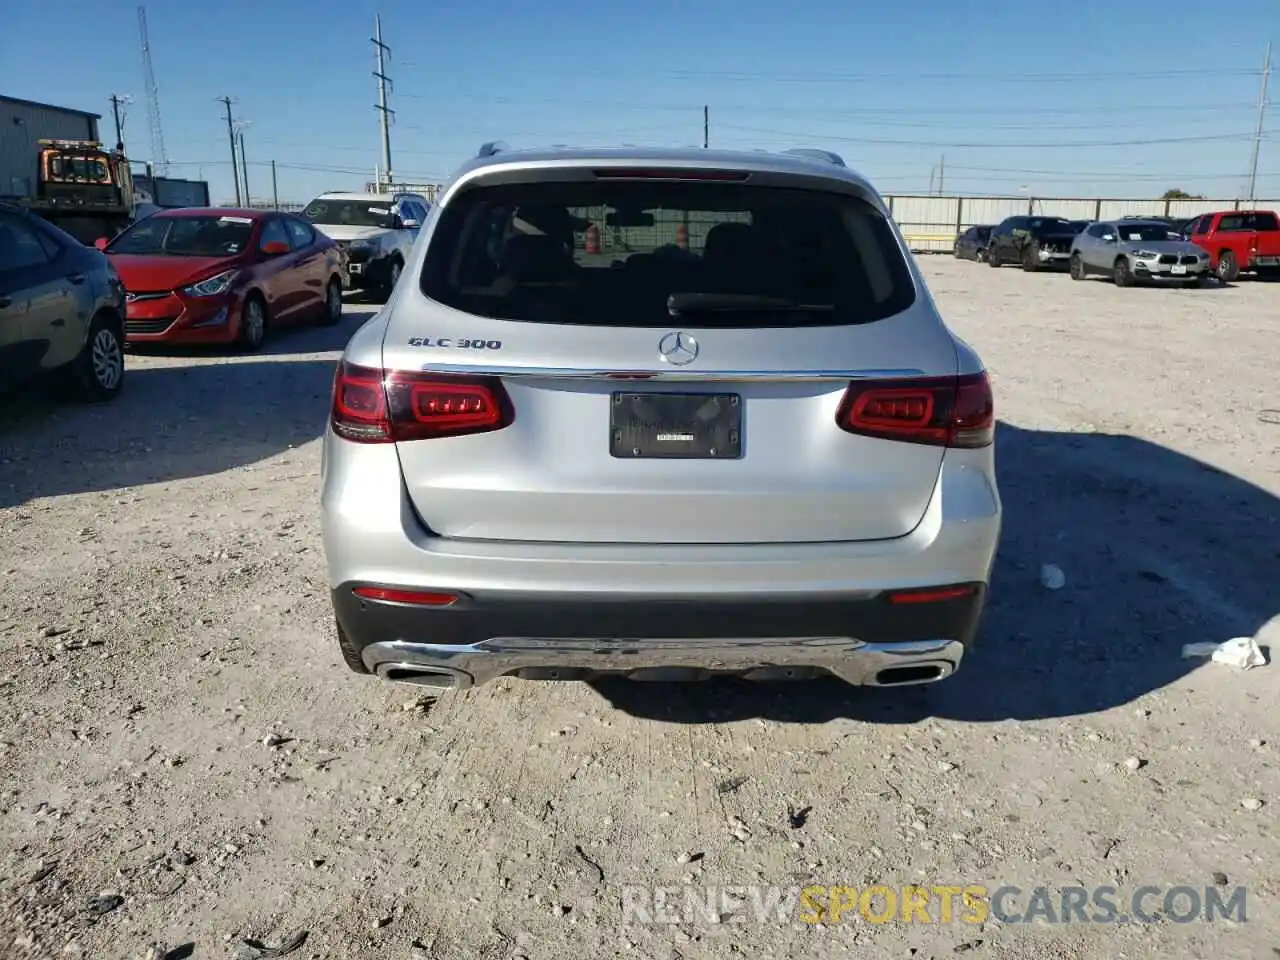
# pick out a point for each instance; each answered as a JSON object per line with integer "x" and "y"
{"x": 1132, "y": 251}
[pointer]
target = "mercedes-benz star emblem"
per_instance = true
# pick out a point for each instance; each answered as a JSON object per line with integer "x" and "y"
{"x": 679, "y": 348}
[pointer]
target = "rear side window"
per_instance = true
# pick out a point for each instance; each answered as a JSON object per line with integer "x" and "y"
{"x": 612, "y": 253}
{"x": 1264, "y": 221}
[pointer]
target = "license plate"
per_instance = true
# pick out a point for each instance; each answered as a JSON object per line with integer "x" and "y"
{"x": 1178, "y": 268}
{"x": 356, "y": 268}
{"x": 676, "y": 426}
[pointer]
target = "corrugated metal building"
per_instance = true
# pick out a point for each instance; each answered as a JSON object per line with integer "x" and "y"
{"x": 22, "y": 124}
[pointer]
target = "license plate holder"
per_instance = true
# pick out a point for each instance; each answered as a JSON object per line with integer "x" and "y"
{"x": 675, "y": 426}
{"x": 1178, "y": 268}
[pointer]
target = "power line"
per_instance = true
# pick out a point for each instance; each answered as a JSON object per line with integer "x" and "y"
{"x": 118, "y": 103}
{"x": 1257, "y": 136}
{"x": 384, "y": 114}
{"x": 231, "y": 133}
{"x": 988, "y": 144}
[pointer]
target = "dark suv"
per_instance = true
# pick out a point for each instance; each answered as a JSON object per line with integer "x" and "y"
{"x": 1035, "y": 242}
{"x": 61, "y": 308}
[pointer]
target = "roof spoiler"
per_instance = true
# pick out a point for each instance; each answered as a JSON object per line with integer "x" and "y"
{"x": 826, "y": 156}
{"x": 491, "y": 148}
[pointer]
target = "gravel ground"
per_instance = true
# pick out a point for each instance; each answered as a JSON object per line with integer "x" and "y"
{"x": 186, "y": 763}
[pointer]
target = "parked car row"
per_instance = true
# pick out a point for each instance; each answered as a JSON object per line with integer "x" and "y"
{"x": 1133, "y": 249}
{"x": 188, "y": 276}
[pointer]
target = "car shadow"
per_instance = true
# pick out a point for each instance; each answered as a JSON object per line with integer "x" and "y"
{"x": 1158, "y": 549}
{"x": 169, "y": 423}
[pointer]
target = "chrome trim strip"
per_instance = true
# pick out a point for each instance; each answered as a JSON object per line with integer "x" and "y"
{"x": 583, "y": 373}
{"x": 463, "y": 665}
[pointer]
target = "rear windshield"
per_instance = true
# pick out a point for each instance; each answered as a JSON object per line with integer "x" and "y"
{"x": 629, "y": 253}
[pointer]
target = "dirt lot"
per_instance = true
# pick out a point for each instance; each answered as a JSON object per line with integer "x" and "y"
{"x": 185, "y": 761}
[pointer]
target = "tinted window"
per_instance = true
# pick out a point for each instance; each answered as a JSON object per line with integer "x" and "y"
{"x": 300, "y": 235}
{"x": 350, "y": 213}
{"x": 1050, "y": 225}
{"x": 20, "y": 245}
{"x": 522, "y": 252}
{"x": 159, "y": 235}
{"x": 1264, "y": 221}
{"x": 273, "y": 231}
{"x": 982, "y": 232}
{"x": 1232, "y": 222}
{"x": 1097, "y": 230}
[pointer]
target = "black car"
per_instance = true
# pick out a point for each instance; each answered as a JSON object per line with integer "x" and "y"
{"x": 972, "y": 243}
{"x": 61, "y": 308}
{"x": 1037, "y": 243}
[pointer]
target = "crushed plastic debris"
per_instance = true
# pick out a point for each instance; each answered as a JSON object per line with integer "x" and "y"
{"x": 1242, "y": 652}
{"x": 1052, "y": 577}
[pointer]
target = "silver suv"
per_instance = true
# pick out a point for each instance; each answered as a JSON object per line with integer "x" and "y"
{"x": 661, "y": 414}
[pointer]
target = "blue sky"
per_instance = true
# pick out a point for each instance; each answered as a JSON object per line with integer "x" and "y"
{"x": 1091, "y": 98}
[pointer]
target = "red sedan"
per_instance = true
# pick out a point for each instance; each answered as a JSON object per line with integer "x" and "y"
{"x": 202, "y": 275}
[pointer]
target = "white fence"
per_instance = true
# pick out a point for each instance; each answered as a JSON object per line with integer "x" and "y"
{"x": 930, "y": 224}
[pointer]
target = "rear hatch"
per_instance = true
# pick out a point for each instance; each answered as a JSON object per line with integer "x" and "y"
{"x": 591, "y": 299}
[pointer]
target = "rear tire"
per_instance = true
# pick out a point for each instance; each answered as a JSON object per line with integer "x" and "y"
{"x": 350, "y": 654}
{"x": 98, "y": 372}
{"x": 993, "y": 257}
{"x": 1228, "y": 270}
{"x": 333, "y": 303}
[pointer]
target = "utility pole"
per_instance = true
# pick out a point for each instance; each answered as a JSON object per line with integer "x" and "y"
{"x": 706, "y": 127}
{"x": 932, "y": 172}
{"x": 1257, "y": 134}
{"x": 231, "y": 134}
{"x": 244, "y": 170}
{"x": 275, "y": 193}
{"x": 942, "y": 170}
{"x": 117, "y": 102}
{"x": 385, "y": 114}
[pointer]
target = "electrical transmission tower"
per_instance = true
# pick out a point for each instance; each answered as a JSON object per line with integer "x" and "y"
{"x": 159, "y": 157}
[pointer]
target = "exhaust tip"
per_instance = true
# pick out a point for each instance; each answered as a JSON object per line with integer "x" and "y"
{"x": 438, "y": 677}
{"x": 919, "y": 673}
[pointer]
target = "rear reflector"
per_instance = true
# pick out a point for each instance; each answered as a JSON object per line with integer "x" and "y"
{"x": 932, "y": 594}
{"x": 375, "y": 406}
{"x": 417, "y": 597}
{"x": 671, "y": 173}
{"x": 940, "y": 411}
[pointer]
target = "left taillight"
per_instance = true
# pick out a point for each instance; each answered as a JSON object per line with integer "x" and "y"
{"x": 376, "y": 406}
{"x": 937, "y": 411}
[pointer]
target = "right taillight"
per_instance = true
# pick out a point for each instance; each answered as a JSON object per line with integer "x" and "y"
{"x": 376, "y": 406}
{"x": 939, "y": 411}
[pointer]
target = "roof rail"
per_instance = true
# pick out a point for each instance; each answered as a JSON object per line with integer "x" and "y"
{"x": 492, "y": 147}
{"x": 826, "y": 156}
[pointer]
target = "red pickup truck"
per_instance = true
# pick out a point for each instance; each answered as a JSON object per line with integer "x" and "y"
{"x": 1238, "y": 241}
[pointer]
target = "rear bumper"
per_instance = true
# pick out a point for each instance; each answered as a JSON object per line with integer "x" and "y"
{"x": 616, "y": 607}
{"x": 861, "y": 639}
